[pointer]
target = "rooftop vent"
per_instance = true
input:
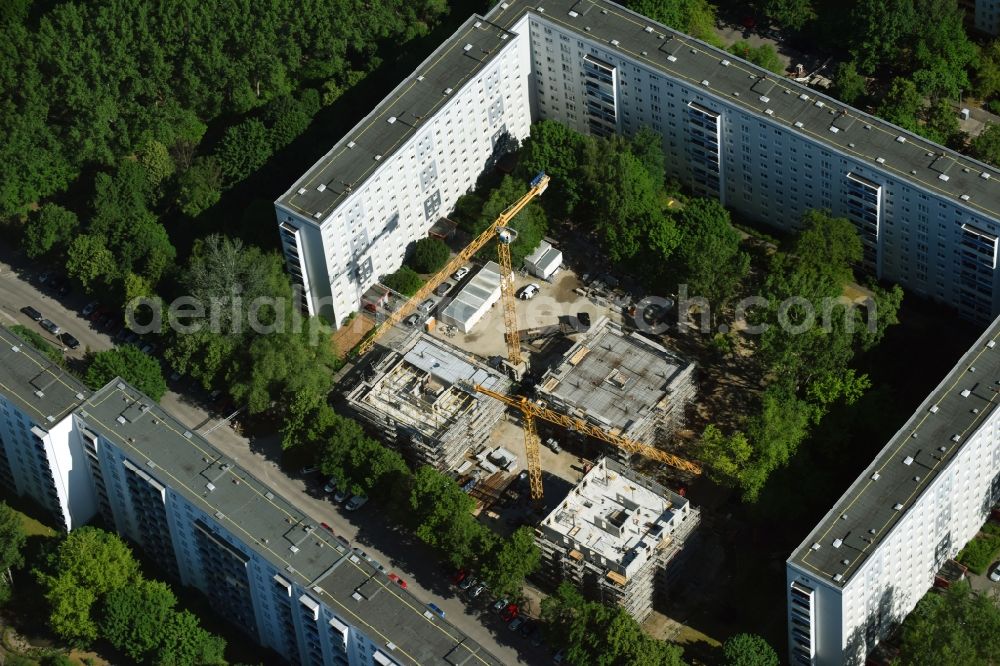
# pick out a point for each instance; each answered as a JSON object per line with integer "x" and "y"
{"x": 420, "y": 78}
{"x": 294, "y": 549}
{"x": 351, "y": 144}
{"x": 872, "y": 531}
{"x": 838, "y": 577}
{"x": 846, "y": 563}
{"x": 934, "y": 409}
{"x": 220, "y": 515}
{"x": 769, "y": 112}
{"x": 991, "y": 344}
{"x": 391, "y": 120}
{"x": 378, "y": 158}
{"x": 649, "y": 28}
{"x": 837, "y": 543}
{"x": 944, "y": 177}
{"x": 956, "y": 438}
{"x": 725, "y": 63}
{"x": 765, "y": 99}
{"x": 964, "y": 197}
{"x": 820, "y": 103}
{"x": 816, "y": 546}
{"x": 880, "y": 160}
{"x": 672, "y": 58}
{"x": 615, "y": 42}
{"x": 467, "y": 47}
{"x": 901, "y": 139}
{"x": 447, "y": 91}
{"x": 851, "y": 145}
{"x": 843, "y": 516}
{"x": 704, "y": 82}
{"x": 834, "y": 129}
{"x": 321, "y": 187}
{"x": 868, "y": 127}
{"x": 966, "y": 393}
{"x": 804, "y": 97}
{"x": 908, "y": 460}
{"x": 897, "y": 506}
{"x": 302, "y": 190}
{"x": 875, "y": 476}
{"x": 572, "y": 14}
{"x": 799, "y": 123}
{"x": 210, "y": 487}
{"x": 984, "y": 176}
{"x": 187, "y": 433}
{"x": 317, "y": 215}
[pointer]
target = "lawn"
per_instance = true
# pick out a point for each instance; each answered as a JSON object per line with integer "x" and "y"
{"x": 979, "y": 553}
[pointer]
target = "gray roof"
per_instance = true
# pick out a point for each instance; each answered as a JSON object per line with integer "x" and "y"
{"x": 612, "y": 377}
{"x": 271, "y": 525}
{"x": 447, "y": 366}
{"x": 858, "y": 134}
{"x": 42, "y": 389}
{"x": 924, "y": 446}
{"x": 474, "y": 294}
{"x": 416, "y": 99}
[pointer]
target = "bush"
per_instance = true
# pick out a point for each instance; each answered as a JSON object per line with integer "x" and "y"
{"x": 35, "y": 339}
{"x": 127, "y": 362}
{"x": 429, "y": 255}
{"x": 244, "y": 149}
{"x": 979, "y": 553}
{"x": 200, "y": 187}
{"x": 405, "y": 281}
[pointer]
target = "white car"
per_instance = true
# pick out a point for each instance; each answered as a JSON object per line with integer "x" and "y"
{"x": 528, "y": 292}
{"x": 330, "y": 486}
{"x": 460, "y": 273}
{"x": 356, "y": 502}
{"x": 995, "y": 574}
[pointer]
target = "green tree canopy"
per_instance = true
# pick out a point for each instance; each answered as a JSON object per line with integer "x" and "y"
{"x": 510, "y": 561}
{"x": 441, "y": 516}
{"x": 763, "y": 56}
{"x": 12, "y": 540}
{"x": 986, "y": 146}
{"x": 429, "y": 255}
{"x": 200, "y": 186}
{"x": 405, "y": 281}
{"x": 90, "y": 262}
{"x": 531, "y": 223}
{"x": 791, "y": 14}
{"x": 129, "y": 363}
{"x": 749, "y": 650}
{"x": 51, "y": 228}
{"x": 244, "y": 149}
{"x": 708, "y": 257}
{"x": 848, "y": 85}
{"x": 954, "y": 628}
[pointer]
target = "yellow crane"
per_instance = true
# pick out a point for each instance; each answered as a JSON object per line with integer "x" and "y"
{"x": 506, "y": 236}
{"x": 531, "y": 411}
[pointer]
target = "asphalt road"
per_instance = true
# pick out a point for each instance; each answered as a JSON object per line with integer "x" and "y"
{"x": 396, "y": 550}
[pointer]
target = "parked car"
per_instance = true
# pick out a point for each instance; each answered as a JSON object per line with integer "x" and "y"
{"x": 995, "y": 573}
{"x": 442, "y": 289}
{"x": 356, "y": 502}
{"x": 331, "y": 484}
{"x": 477, "y": 590}
{"x": 397, "y": 580}
{"x": 33, "y": 314}
{"x": 515, "y": 624}
{"x": 326, "y": 527}
{"x": 459, "y": 576}
{"x": 528, "y": 628}
{"x": 466, "y": 583}
{"x": 436, "y": 610}
{"x": 341, "y": 495}
{"x": 427, "y": 305}
{"x": 148, "y": 348}
{"x": 559, "y": 656}
{"x": 89, "y": 308}
{"x": 308, "y": 470}
{"x": 528, "y": 292}
{"x": 44, "y": 277}
{"x": 412, "y": 320}
{"x": 460, "y": 273}
{"x": 343, "y": 540}
{"x": 501, "y": 604}
{"x": 553, "y": 445}
{"x": 509, "y": 613}
{"x": 69, "y": 340}
{"x": 49, "y": 326}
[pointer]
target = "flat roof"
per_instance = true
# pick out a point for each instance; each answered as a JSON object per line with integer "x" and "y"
{"x": 636, "y": 509}
{"x": 269, "y": 524}
{"x": 448, "y": 366}
{"x": 390, "y": 124}
{"x": 482, "y": 290}
{"x": 911, "y": 461}
{"x": 612, "y": 377}
{"x": 39, "y": 387}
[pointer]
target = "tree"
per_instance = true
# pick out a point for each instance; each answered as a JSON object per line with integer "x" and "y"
{"x": 244, "y": 149}
{"x": 52, "y": 227}
{"x": 511, "y": 561}
{"x": 12, "y": 540}
{"x": 879, "y": 29}
{"x": 129, "y": 363}
{"x": 156, "y": 161}
{"x": 558, "y": 151}
{"x": 361, "y": 465}
{"x": 185, "y": 643}
{"x": 901, "y": 104}
{"x": 405, "y": 281}
{"x": 954, "y": 628}
{"x": 90, "y": 262}
{"x": 135, "y": 618}
{"x": 749, "y": 650}
{"x": 708, "y": 257}
{"x": 429, "y": 255}
{"x": 286, "y": 119}
{"x": 87, "y": 564}
{"x": 695, "y": 17}
{"x": 848, "y": 85}
{"x": 531, "y": 223}
{"x": 441, "y": 516}
{"x": 200, "y": 187}
{"x": 763, "y": 56}
{"x": 986, "y": 146}
{"x": 941, "y": 124}
{"x": 986, "y": 82}
{"x": 791, "y": 14}
{"x": 942, "y": 51}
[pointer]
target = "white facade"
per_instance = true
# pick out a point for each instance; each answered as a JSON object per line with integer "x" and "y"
{"x": 729, "y": 130}
{"x": 838, "y": 610}
{"x": 987, "y": 16}
{"x": 366, "y": 236}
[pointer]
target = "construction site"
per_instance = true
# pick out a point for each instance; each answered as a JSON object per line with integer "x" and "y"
{"x": 618, "y": 536}
{"x": 423, "y": 400}
{"x": 620, "y": 381}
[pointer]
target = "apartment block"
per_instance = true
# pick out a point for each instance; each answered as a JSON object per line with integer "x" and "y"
{"x": 929, "y": 490}
{"x": 38, "y": 457}
{"x": 928, "y": 216}
{"x": 986, "y": 15}
{"x": 619, "y": 536}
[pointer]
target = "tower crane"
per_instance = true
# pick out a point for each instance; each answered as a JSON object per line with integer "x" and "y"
{"x": 506, "y": 236}
{"x": 531, "y": 411}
